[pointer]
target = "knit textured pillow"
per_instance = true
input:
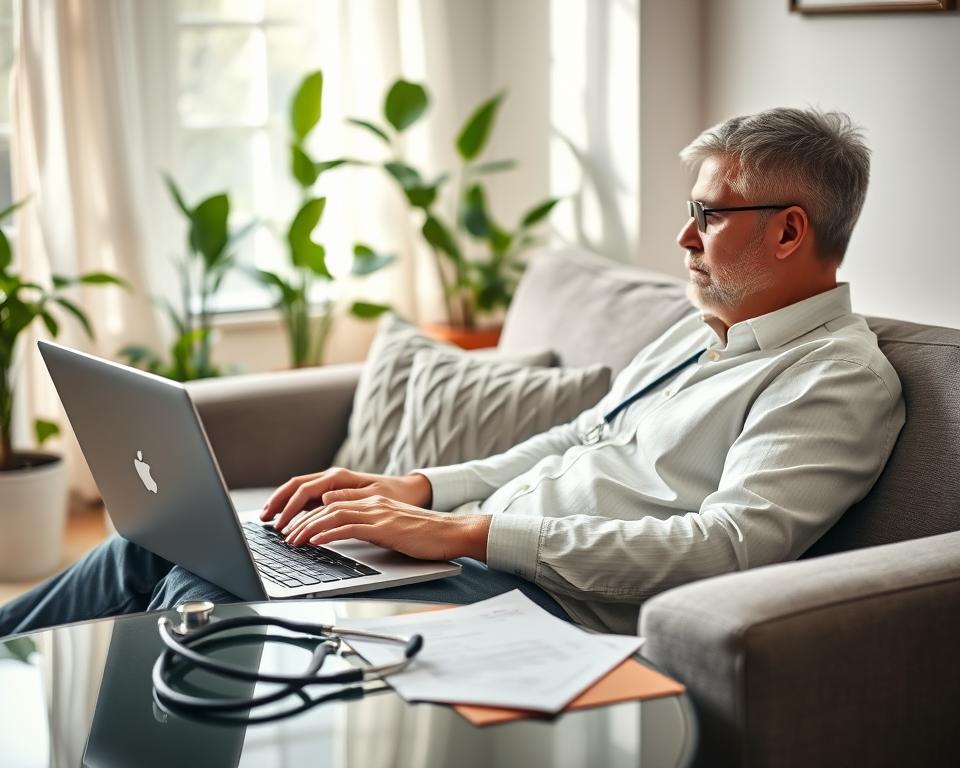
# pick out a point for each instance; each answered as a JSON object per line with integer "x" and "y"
{"x": 381, "y": 390}
{"x": 458, "y": 408}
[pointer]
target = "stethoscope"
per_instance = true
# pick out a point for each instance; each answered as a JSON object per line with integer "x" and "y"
{"x": 196, "y": 630}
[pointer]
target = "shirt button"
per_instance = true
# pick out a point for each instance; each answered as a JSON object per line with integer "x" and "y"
{"x": 667, "y": 392}
{"x": 714, "y": 356}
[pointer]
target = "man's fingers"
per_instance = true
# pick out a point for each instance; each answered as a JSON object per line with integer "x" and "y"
{"x": 362, "y": 531}
{"x": 330, "y": 517}
{"x": 279, "y": 498}
{"x": 347, "y": 494}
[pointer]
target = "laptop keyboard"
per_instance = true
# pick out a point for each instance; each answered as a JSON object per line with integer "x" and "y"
{"x": 299, "y": 566}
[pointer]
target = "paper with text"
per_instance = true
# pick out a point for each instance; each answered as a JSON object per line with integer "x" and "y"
{"x": 502, "y": 652}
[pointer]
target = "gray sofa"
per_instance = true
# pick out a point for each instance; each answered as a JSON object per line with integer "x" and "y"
{"x": 847, "y": 657}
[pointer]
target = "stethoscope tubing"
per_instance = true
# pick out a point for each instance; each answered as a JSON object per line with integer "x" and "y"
{"x": 178, "y": 650}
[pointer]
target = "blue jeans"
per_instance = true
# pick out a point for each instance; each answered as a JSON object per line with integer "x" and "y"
{"x": 121, "y": 577}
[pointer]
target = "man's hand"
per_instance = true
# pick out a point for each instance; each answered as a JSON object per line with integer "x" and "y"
{"x": 393, "y": 524}
{"x": 336, "y": 484}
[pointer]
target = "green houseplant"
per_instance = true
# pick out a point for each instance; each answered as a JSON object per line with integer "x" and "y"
{"x": 478, "y": 260}
{"x": 208, "y": 259}
{"x": 307, "y": 336}
{"x": 33, "y": 492}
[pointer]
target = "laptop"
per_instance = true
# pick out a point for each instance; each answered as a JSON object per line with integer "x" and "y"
{"x": 147, "y": 450}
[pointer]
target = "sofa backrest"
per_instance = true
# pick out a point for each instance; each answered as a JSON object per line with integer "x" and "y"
{"x": 589, "y": 309}
{"x": 918, "y": 493}
{"x": 592, "y": 310}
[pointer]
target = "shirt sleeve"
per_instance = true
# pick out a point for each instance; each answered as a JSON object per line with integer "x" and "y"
{"x": 813, "y": 443}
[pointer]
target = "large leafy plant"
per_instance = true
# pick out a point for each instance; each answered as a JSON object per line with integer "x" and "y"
{"x": 478, "y": 259}
{"x": 21, "y": 303}
{"x": 308, "y": 258}
{"x": 208, "y": 259}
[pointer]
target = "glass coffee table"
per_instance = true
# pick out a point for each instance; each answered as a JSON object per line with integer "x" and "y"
{"x": 82, "y": 695}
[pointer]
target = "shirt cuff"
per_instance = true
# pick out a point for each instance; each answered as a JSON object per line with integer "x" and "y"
{"x": 450, "y": 485}
{"x": 513, "y": 544}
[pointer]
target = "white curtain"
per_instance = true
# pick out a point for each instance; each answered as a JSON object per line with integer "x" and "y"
{"x": 77, "y": 153}
{"x": 418, "y": 40}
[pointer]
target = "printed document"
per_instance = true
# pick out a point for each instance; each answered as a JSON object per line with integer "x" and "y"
{"x": 503, "y": 652}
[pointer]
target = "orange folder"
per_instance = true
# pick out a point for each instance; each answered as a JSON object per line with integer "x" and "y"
{"x": 630, "y": 681}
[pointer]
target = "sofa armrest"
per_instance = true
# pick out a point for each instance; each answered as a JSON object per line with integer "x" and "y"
{"x": 848, "y": 659}
{"x": 265, "y": 428}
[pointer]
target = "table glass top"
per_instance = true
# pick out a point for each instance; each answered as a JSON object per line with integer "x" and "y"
{"x": 82, "y": 695}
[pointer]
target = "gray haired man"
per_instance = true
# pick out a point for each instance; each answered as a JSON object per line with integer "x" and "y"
{"x": 774, "y": 412}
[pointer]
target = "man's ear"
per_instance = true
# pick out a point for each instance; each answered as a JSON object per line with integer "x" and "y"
{"x": 794, "y": 229}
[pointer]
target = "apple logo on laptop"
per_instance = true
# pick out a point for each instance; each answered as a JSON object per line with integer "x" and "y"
{"x": 143, "y": 469}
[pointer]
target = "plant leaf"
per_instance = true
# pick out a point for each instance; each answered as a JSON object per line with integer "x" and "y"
{"x": 238, "y": 235}
{"x": 329, "y": 165}
{"x": 137, "y": 353}
{"x": 78, "y": 313}
{"x": 101, "y": 278}
{"x": 44, "y": 430}
{"x": 6, "y": 254}
{"x": 306, "y": 107}
{"x": 304, "y": 251}
{"x": 50, "y": 321}
{"x": 302, "y": 167}
{"x": 473, "y": 212}
{"x": 405, "y": 104}
{"x": 406, "y": 175}
{"x": 538, "y": 212}
{"x": 473, "y": 137}
{"x": 494, "y": 166}
{"x": 367, "y": 310}
{"x": 377, "y": 131}
{"x": 177, "y": 197}
{"x": 366, "y": 261}
{"x": 440, "y": 238}
{"x": 288, "y": 294}
{"x": 11, "y": 208}
{"x": 208, "y": 233}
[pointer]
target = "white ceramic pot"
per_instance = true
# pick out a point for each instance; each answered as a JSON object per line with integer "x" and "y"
{"x": 33, "y": 515}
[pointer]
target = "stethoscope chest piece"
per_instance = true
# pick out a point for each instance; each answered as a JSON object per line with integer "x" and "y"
{"x": 193, "y": 615}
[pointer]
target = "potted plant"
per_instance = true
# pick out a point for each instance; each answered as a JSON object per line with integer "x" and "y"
{"x": 307, "y": 335}
{"x": 33, "y": 484}
{"x": 208, "y": 259}
{"x": 478, "y": 260}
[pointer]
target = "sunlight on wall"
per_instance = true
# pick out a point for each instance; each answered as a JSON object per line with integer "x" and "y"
{"x": 594, "y": 122}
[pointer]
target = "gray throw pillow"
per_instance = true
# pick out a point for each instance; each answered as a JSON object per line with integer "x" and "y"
{"x": 459, "y": 408}
{"x": 381, "y": 391}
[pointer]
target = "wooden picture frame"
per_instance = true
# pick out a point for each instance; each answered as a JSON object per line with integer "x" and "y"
{"x": 869, "y": 6}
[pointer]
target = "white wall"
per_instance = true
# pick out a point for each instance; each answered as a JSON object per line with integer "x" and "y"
{"x": 898, "y": 75}
{"x": 671, "y": 114}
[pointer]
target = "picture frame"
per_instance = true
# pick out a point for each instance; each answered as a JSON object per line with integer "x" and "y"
{"x": 811, "y": 7}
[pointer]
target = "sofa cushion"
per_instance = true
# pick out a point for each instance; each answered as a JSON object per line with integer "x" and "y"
{"x": 918, "y": 493}
{"x": 591, "y": 310}
{"x": 459, "y": 408}
{"x": 381, "y": 390}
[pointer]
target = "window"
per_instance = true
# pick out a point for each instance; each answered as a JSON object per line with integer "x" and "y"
{"x": 238, "y": 64}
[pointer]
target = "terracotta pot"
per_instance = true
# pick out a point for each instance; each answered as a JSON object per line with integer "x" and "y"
{"x": 33, "y": 516}
{"x": 465, "y": 338}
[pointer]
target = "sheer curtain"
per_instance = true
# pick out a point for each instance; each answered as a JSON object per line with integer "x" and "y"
{"x": 78, "y": 154}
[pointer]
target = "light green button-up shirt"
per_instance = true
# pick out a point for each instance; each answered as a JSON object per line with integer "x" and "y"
{"x": 744, "y": 458}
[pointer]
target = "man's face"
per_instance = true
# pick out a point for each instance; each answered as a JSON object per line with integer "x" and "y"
{"x": 731, "y": 261}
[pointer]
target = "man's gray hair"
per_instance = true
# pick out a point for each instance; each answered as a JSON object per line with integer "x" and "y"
{"x": 817, "y": 160}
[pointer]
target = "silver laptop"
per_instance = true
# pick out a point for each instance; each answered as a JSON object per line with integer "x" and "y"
{"x": 150, "y": 456}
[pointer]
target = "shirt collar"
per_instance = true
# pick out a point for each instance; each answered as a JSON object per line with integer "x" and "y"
{"x": 783, "y": 325}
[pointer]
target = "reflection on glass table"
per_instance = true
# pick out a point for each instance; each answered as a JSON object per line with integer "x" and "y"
{"x": 82, "y": 695}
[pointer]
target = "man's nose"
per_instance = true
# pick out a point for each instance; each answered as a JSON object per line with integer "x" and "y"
{"x": 689, "y": 237}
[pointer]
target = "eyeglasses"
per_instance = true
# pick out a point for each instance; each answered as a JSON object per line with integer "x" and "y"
{"x": 699, "y": 213}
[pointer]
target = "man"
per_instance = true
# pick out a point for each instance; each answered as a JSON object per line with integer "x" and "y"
{"x": 769, "y": 415}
